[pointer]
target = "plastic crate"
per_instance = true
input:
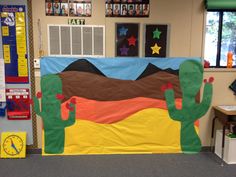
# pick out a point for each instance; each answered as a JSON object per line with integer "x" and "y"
{"x": 229, "y": 149}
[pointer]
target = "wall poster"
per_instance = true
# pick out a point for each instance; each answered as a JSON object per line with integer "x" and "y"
{"x": 127, "y": 39}
{"x": 18, "y": 107}
{"x": 127, "y": 8}
{"x": 82, "y": 8}
{"x": 156, "y": 40}
{"x": 125, "y": 106}
{"x": 14, "y": 43}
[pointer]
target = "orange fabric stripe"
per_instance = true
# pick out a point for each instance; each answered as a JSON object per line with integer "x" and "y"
{"x": 107, "y": 112}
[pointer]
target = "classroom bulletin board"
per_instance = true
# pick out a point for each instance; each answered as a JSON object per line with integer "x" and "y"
{"x": 17, "y": 69}
{"x": 13, "y": 27}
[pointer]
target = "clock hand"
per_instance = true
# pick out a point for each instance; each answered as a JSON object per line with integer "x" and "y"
{"x": 13, "y": 146}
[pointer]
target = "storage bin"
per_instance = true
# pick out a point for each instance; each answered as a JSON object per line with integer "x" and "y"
{"x": 229, "y": 149}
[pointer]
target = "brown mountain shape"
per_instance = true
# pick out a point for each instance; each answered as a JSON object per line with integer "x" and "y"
{"x": 95, "y": 87}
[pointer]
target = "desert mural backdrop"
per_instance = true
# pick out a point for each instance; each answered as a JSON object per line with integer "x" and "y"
{"x": 121, "y": 105}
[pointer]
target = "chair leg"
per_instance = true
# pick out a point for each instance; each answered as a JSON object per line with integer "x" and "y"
{"x": 212, "y": 134}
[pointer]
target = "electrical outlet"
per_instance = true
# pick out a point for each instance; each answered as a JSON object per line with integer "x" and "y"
{"x": 36, "y": 63}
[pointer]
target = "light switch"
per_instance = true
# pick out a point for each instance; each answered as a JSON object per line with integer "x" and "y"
{"x": 36, "y": 63}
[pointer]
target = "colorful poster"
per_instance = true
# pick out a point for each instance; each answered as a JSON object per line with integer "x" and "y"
{"x": 127, "y": 8}
{"x": 18, "y": 107}
{"x": 156, "y": 40}
{"x": 138, "y": 106}
{"x": 14, "y": 43}
{"x": 127, "y": 39}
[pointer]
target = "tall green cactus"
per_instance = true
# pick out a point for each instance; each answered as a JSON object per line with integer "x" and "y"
{"x": 54, "y": 126}
{"x": 191, "y": 76}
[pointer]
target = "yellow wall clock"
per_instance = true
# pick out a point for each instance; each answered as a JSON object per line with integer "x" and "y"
{"x": 13, "y": 145}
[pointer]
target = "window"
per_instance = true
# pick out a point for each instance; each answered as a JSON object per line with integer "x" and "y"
{"x": 220, "y": 37}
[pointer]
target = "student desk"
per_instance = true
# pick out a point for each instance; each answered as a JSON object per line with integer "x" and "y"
{"x": 226, "y": 118}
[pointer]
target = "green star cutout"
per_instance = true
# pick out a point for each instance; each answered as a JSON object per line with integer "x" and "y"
{"x": 156, "y": 34}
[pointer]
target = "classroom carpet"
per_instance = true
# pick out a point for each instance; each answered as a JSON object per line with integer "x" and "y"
{"x": 204, "y": 164}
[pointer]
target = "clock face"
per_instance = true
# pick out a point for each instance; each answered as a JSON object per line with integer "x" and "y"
{"x": 13, "y": 145}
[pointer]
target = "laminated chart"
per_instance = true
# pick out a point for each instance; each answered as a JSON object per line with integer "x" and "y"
{"x": 18, "y": 107}
{"x": 14, "y": 43}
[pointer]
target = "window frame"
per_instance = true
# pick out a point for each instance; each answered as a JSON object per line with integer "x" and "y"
{"x": 220, "y": 31}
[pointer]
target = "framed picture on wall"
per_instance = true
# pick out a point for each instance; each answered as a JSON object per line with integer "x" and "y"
{"x": 127, "y": 39}
{"x": 109, "y": 10}
{"x": 87, "y": 9}
{"x": 64, "y": 8}
{"x": 49, "y": 7}
{"x": 56, "y": 8}
{"x": 156, "y": 40}
{"x": 127, "y": 8}
{"x": 72, "y": 8}
{"x": 82, "y": 8}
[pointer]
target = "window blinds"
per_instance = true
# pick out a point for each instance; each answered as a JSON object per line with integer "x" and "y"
{"x": 220, "y": 4}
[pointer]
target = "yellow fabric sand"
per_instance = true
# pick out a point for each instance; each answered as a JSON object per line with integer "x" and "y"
{"x": 148, "y": 131}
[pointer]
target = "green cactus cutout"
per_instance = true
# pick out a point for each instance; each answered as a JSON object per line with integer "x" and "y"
{"x": 54, "y": 126}
{"x": 191, "y": 77}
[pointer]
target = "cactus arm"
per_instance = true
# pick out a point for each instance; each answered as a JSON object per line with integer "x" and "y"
{"x": 203, "y": 107}
{"x": 37, "y": 107}
{"x": 174, "y": 113}
{"x": 71, "y": 120}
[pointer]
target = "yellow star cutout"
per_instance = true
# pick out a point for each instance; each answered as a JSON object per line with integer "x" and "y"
{"x": 155, "y": 49}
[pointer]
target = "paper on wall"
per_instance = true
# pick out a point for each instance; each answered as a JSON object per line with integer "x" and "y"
{"x": 2, "y": 81}
{"x": 228, "y": 107}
